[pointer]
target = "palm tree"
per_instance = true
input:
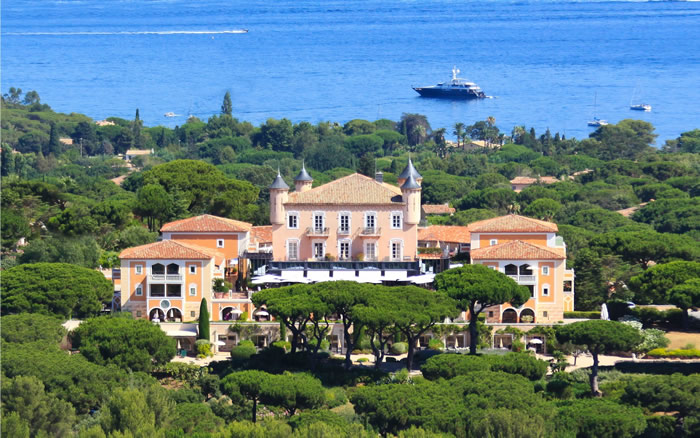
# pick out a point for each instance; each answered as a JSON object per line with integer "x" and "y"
{"x": 459, "y": 131}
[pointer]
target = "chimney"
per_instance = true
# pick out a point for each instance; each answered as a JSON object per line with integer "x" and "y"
{"x": 379, "y": 176}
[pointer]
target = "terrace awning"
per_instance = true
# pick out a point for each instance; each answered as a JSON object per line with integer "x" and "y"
{"x": 181, "y": 333}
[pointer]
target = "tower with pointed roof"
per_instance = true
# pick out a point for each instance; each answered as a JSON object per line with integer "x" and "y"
{"x": 410, "y": 192}
{"x": 279, "y": 191}
{"x": 409, "y": 170}
{"x": 303, "y": 181}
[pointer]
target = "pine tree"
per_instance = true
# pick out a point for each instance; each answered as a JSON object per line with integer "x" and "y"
{"x": 203, "y": 320}
{"x": 227, "y": 106}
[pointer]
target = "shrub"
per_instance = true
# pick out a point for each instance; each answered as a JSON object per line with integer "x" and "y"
{"x": 284, "y": 345}
{"x": 680, "y": 354}
{"x": 325, "y": 345}
{"x": 203, "y": 348}
{"x": 243, "y": 317}
{"x": 447, "y": 366}
{"x": 560, "y": 388}
{"x": 436, "y": 344}
{"x": 335, "y": 397}
{"x": 362, "y": 360}
{"x": 243, "y": 350}
{"x": 399, "y": 348}
{"x": 523, "y": 364}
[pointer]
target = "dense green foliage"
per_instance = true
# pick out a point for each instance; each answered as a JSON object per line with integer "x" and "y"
{"x": 130, "y": 344}
{"x": 56, "y": 289}
{"x": 59, "y": 198}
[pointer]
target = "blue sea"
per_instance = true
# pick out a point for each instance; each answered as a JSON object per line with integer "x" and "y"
{"x": 548, "y": 64}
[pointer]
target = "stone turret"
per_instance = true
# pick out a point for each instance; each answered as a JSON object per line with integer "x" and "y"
{"x": 279, "y": 190}
{"x": 303, "y": 181}
{"x": 411, "y": 191}
{"x": 409, "y": 170}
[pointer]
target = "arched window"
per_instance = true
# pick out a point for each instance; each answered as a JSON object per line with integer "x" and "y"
{"x": 527, "y": 316}
{"x": 158, "y": 269}
{"x": 156, "y": 315}
{"x": 510, "y": 316}
{"x": 173, "y": 268}
{"x": 511, "y": 269}
{"x": 525, "y": 269}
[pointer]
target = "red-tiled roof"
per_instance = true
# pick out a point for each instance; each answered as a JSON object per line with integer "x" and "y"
{"x": 206, "y": 223}
{"x": 531, "y": 180}
{"x": 353, "y": 189}
{"x": 517, "y": 250}
{"x": 513, "y": 224}
{"x": 171, "y": 249}
{"x": 438, "y": 209}
{"x": 444, "y": 233}
{"x": 261, "y": 234}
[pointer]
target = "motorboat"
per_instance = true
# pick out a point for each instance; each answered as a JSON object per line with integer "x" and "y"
{"x": 456, "y": 88}
{"x": 641, "y": 107}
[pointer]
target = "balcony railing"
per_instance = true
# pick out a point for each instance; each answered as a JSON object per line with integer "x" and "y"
{"x": 231, "y": 295}
{"x": 314, "y": 231}
{"x": 523, "y": 278}
{"x": 370, "y": 231}
{"x": 343, "y": 265}
{"x": 166, "y": 277}
{"x": 343, "y": 231}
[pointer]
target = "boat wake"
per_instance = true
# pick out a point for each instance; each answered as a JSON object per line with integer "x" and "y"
{"x": 144, "y": 32}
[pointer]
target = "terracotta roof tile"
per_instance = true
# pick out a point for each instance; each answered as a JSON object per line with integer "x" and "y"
{"x": 206, "y": 223}
{"x": 531, "y": 180}
{"x": 444, "y": 233}
{"x": 171, "y": 249}
{"x": 261, "y": 234}
{"x": 438, "y": 209}
{"x": 353, "y": 189}
{"x": 513, "y": 224}
{"x": 517, "y": 250}
{"x": 429, "y": 256}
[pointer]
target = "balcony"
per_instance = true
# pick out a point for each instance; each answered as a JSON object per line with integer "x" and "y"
{"x": 520, "y": 279}
{"x": 370, "y": 232}
{"x": 165, "y": 277}
{"x": 231, "y": 295}
{"x": 317, "y": 232}
{"x": 342, "y": 231}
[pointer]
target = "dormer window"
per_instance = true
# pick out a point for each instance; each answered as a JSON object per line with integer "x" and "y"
{"x": 493, "y": 242}
{"x": 219, "y": 243}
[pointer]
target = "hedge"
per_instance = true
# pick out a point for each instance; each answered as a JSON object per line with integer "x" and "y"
{"x": 682, "y": 354}
{"x": 661, "y": 367}
{"x": 595, "y": 314}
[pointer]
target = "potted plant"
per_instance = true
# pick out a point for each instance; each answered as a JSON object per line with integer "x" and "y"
{"x": 220, "y": 287}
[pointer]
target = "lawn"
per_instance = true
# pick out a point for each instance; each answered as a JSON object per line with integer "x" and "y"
{"x": 681, "y": 339}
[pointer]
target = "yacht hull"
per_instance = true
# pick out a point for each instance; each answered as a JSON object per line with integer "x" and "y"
{"x": 448, "y": 93}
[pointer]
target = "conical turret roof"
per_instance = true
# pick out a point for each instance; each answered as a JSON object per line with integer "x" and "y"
{"x": 410, "y": 183}
{"x": 410, "y": 170}
{"x": 279, "y": 183}
{"x": 303, "y": 175}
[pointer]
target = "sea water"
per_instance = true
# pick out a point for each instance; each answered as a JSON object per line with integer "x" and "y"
{"x": 548, "y": 64}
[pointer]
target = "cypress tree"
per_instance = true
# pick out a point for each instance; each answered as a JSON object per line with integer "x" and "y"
{"x": 203, "y": 320}
{"x": 227, "y": 106}
{"x": 54, "y": 143}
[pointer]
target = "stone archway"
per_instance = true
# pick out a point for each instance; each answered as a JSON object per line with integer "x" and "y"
{"x": 510, "y": 316}
{"x": 527, "y": 316}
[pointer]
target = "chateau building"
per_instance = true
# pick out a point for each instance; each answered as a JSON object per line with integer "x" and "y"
{"x": 354, "y": 228}
{"x": 351, "y": 225}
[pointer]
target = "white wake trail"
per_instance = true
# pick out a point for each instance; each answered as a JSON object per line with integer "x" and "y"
{"x": 144, "y": 32}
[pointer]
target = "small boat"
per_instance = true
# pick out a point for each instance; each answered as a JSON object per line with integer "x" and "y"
{"x": 597, "y": 123}
{"x": 169, "y": 114}
{"x": 641, "y": 107}
{"x": 457, "y": 88}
